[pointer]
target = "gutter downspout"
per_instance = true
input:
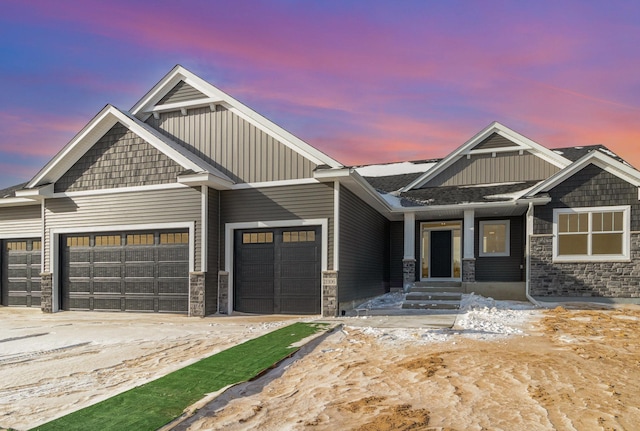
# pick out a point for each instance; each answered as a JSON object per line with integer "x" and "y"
{"x": 528, "y": 257}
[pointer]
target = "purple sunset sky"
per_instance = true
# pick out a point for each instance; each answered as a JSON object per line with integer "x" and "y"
{"x": 364, "y": 81}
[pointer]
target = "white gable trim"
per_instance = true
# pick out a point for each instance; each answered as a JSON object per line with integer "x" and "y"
{"x": 100, "y": 125}
{"x": 146, "y": 106}
{"x": 520, "y": 143}
{"x": 596, "y": 158}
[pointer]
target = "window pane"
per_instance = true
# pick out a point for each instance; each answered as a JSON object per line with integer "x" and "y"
{"x": 286, "y": 237}
{"x": 311, "y": 235}
{"x": 494, "y": 238}
{"x": 618, "y": 218}
{"x": 303, "y": 236}
{"x": 563, "y": 223}
{"x": 294, "y": 236}
{"x": 607, "y": 222}
{"x": 573, "y": 223}
{"x": 606, "y": 243}
{"x": 597, "y": 222}
{"x": 572, "y": 244}
{"x": 583, "y": 222}
{"x": 269, "y": 236}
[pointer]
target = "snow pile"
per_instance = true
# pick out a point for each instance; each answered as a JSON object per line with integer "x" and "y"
{"x": 388, "y": 300}
{"x": 388, "y": 169}
{"x": 484, "y": 318}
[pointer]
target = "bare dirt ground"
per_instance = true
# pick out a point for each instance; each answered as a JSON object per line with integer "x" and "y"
{"x": 53, "y": 364}
{"x": 570, "y": 370}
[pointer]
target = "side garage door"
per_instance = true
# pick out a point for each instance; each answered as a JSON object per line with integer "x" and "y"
{"x": 125, "y": 271}
{"x": 20, "y": 272}
{"x": 277, "y": 271}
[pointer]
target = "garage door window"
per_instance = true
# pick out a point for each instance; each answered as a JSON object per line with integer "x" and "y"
{"x": 78, "y": 241}
{"x": 107, "y": 240}
{"x": 17, "y": 246}
{"x": 257, "y": 238}
{"x": 140, "y": 239}
{"x": 174, "y": 238}
{"x": 299, "y": 236}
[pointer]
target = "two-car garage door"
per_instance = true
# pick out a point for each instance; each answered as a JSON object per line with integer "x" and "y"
{"x": 125, "y": 271}
{"x": 278, "y": 270}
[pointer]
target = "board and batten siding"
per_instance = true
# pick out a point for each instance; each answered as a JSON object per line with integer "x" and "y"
{"x": 298, "y": 202}
{"x": 182, "y": 92}
{"x": 134, "y": 208}
{"x": 396, "y": 253}
{"x": 21, "y": 222}
{"x": 364, "y": 250}
{"x": 234, "y": 146}
{"x": 502, "y": 268}
{"x": 486, "y": 169}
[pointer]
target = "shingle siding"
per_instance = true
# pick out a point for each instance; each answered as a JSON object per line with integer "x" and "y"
{"x": 233, "y": 145}
{"x": 591, "y": 187}
{"x": 119, "y": 159}
{"x": 364, "y": 250}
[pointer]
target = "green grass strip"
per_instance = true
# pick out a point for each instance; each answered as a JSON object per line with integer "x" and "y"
{"x": 154, "y": 404}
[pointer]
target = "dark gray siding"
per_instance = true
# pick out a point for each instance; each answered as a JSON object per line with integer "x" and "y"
{"x": 119, "y": 159}
{"x": 502, "y": 268}
{"x": 233, "y": 145}
{"x": 485, "y": 169}
{"x": 494, "y": 141}
{"x": 364, "y": 250}
{"x": 213, "y": 252}
{"x": 182, "y": 92}
{"x": 310, "y": 201}
{"x": 591, "y": 187}
{"x": 396, "y": 253}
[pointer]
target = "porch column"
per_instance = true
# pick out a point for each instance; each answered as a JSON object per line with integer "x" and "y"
{"x": 468, "y": 255}
{"x": 409, "y": 260}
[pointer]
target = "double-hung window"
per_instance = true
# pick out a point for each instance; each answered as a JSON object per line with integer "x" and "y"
{"x": 591, "y": 234}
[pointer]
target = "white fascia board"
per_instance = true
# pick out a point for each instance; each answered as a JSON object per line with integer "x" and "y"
{"x": 17, "y": 202}
{"x": 146, "y": 105}
{"x": 197, "y": 103}
{"x": 206, "y": 179}
{"x": 36, "y": 193}
{"x": 460, "y": 207}
{"x": 522, "y": 142}
{"x": 597, "y": 158}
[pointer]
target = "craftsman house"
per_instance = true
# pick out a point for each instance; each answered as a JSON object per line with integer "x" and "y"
{"x": 191, "y": 202}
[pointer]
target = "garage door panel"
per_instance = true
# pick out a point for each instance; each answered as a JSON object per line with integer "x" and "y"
{"x": 125, "y": 271}
{"x": 172, "y": 269}
{"x": 17, "y": 259}
{"x": 172, "y": 286}
{"x": 107, "y": 256}
{"x": 140, "y": 254}
{"x": 169, "y": 255}
{"x": 277, "y": 270}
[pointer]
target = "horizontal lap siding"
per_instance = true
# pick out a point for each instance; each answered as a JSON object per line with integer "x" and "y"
{"x": 182, "y": 92}
{"x": 313, "y": 201}
{"x": 502, "y": 268}
{"x": 233, "y": 145}
{"x": 364, "y": 250}
{"x": 396, "y": 253}
{"x": 23, "y": 221}
{"x": 152, "y": 207}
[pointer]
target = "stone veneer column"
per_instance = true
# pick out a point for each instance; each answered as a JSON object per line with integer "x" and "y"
{"x": 46, "y": 287}
{"x": 196, "y": 294}
{"x": 408, "y": 273}
{"x": 469, "y": 270}
{"x": 223, "y": 292}
{"x": 329, "y": 293}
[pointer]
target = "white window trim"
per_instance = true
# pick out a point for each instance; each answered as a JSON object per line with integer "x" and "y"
{"x": 626, "y": 236}
{"x": 507, "y": 252}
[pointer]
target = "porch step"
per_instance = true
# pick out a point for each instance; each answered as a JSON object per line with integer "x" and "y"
{"x": 431, "y": 305}
{"x": 433, "y": 296}
{"x": 436, "y": 289}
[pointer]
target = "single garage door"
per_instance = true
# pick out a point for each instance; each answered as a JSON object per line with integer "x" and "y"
{"x": 277, "y": 271}
{"x": 20, "y": 272}
{"x": 126, "y": 271}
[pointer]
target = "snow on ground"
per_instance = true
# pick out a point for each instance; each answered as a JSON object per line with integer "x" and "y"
{"x": 479, "y": 318}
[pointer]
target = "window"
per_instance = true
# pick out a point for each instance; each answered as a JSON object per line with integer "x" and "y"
{"x": 591, "y": 233}
{"x": 107, "y": 240}
{"x": 299, "y": 236}
{"x": 17, "y": 246}
{"x": 174, "y": 238}
{"x": 494, "y": 238}
{"x": 257, "y": 238}
{"x": 77, "y": 241}
{"x": 140, "y": 239}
